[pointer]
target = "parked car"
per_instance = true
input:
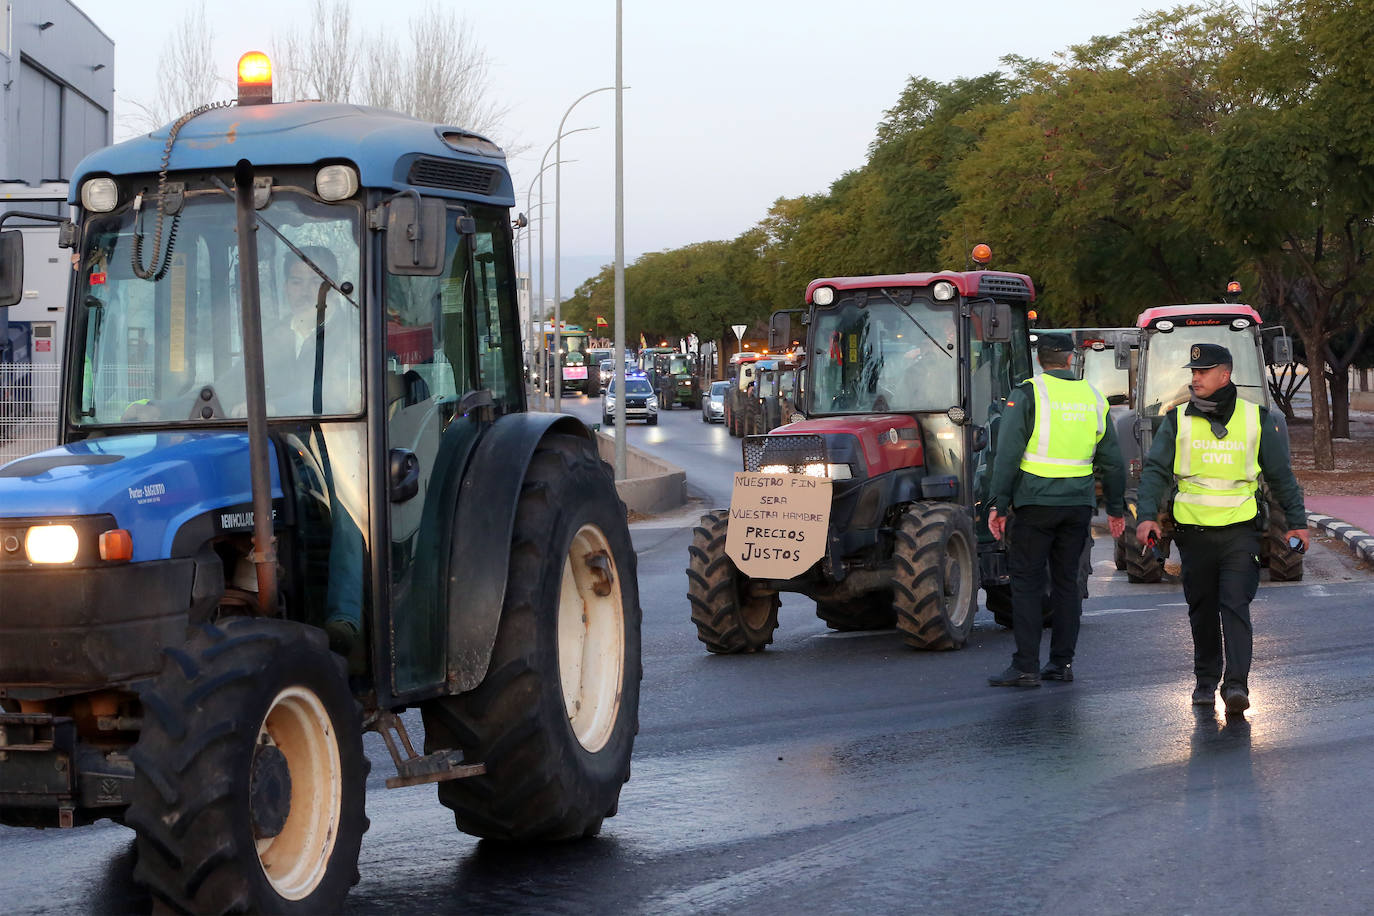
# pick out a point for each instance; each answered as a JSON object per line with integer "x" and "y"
{"x": 713, "y": 405}
{"x": 640, "y": 401}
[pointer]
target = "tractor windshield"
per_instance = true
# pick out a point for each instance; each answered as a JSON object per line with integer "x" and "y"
{"x": 170, "y": 348}
{"x": 1099, "y": 368}
{"x": 881, "y": 356}
{"x": 1166, "y": 381}
{"x": 574, "y": 350}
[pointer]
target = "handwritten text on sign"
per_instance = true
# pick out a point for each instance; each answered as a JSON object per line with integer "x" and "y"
{"x": 778, "y": 523}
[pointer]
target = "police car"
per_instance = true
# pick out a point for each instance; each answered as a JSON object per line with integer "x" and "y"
{"x": 640, "y": 401}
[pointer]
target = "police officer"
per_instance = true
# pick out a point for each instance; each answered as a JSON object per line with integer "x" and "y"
{"x": 1054, "y": 431}
{"x": 1214, "y": 448}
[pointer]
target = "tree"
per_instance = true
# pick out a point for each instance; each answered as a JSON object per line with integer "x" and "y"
{"x": 186, "y": 76}
{"x": 1293, "y": 182}
{"x": 320, "y": 63}
{"x": 1089, "y": 181}
{"x": 440, "y": 74}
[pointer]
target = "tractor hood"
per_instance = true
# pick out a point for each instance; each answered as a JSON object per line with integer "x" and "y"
{"x": 152, "y": 484}
{"x": 888, "y": 441}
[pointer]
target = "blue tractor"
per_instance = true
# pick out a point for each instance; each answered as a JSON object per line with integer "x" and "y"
{"x": 297, "y": 492}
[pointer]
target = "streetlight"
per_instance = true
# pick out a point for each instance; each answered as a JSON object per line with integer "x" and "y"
{"x": 619, "y": 250}
{"x": 529, "y": 262}
{"x": 543, "y": 167}
{"x": 557, "y": 250}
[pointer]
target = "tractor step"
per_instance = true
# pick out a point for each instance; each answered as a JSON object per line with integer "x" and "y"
{"x": 411, "y": 768}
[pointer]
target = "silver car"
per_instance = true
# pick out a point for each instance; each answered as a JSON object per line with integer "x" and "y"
{"x": 640, "y": 401}
{"x": 713, "y": 405}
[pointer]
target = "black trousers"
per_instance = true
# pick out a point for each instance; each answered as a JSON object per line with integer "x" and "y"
{"x": 1220, "y": 578}
{"x": 1040, "y": 535}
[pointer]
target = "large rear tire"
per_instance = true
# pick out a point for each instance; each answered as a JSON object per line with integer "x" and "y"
{"x": 729, "y": 616}
{"x": 249, "y": 774}
{"x": 555, "y": 718}
{"x": 869, "y": 612}
{"x": 934, "y": 584}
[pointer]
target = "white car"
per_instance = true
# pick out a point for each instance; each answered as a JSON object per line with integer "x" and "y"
{"x": 640, "y": 401}
{"x": 713, "y": 405}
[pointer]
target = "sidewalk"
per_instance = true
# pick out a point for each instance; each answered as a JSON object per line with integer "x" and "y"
{"x": 1337, "y": 502}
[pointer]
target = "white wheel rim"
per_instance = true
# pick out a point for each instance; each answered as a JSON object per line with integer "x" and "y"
{"x": 591, "y": 638}
{"x": 958, "y": 579}
{"x": 295, "y": 860}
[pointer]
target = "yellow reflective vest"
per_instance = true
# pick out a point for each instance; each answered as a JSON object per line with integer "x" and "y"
{"x": 1217, "y": 477}
{"x": 1070, "y": 419}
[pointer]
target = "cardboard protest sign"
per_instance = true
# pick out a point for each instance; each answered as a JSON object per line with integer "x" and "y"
{"x": 778, "y": 523}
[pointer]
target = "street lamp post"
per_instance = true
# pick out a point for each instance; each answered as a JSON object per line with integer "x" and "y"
{"x": 557, "y": 250}
{"x": 619, "y": 317}
{"x": 533, "y": 324}
{"x": 544, "y": 166}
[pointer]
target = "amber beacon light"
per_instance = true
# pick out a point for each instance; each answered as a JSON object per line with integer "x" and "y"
{"x": 255, "y": 79}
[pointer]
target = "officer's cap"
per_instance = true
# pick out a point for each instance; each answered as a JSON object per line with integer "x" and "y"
{"x": 1053, "y": 342}
{"x": 1208, "y": 356}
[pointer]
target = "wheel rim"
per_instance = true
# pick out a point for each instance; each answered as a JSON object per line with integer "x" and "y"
{"x": 591, "y": 638}
{"x": 295, "y": 859}
{"x": 958, "y": 584}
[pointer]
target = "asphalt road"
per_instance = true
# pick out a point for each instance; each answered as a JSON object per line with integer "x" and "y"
{"x": 843, "y": 772}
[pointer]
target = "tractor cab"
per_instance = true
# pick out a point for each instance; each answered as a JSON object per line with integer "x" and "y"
{"x": 939, "y": 353}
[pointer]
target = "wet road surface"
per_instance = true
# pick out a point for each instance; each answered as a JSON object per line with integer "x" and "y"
{"x": 843, "y": 772}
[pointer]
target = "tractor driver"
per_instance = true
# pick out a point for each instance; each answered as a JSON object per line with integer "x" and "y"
{"x": 290, "y": 352}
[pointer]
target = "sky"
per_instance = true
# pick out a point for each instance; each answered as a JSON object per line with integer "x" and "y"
{"x": 731, "y": 104}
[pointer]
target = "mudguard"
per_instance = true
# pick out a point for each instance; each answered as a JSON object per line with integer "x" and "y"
{"x": 483, "y": 522}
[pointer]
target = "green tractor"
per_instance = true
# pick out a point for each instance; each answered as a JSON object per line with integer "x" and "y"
{"x": 297, "y": 492}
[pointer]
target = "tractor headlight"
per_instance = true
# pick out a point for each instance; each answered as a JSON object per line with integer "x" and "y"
{"x": 51, "y": 544}
{"x": 99, "y": 195}
{"x": 336, "y": 182}
{"x": 833, "y": 471}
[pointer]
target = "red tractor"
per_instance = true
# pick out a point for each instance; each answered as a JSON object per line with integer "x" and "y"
{"x": 905, "y": 380}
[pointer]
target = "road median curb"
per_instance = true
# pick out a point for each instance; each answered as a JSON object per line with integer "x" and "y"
{"x": 651, "y": 485}
{"x": 1361, "y": 543}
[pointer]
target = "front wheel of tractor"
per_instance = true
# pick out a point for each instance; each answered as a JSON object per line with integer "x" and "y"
{"x": 730, "y": 615}
{"x": 249, "y": 774}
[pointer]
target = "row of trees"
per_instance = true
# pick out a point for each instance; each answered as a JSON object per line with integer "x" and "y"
{"x": 1204, "y": 144}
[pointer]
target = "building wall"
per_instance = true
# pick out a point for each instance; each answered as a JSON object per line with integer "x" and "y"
{"x": 58, "y": 89}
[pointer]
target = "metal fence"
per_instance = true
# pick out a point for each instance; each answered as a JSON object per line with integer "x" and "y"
{"x": 28, "y": 409}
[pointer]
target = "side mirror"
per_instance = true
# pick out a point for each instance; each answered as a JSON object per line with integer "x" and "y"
{"x": 415, "y": 240}
{"x": 11, "y": 267}
{"x": 992, "y": 322}
{"x": 780, "y": 331}
{"x": 404, "y": 472}
{"x": 1283, "y": 348}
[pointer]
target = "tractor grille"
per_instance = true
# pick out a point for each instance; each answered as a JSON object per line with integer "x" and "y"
{"x": 452, "y": 176}
{"x": 794, "y": 451}
{"x": 1003, "y": 287}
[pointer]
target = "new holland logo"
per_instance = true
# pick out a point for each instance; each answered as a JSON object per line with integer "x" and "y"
{"x": 1197, "y": 352}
